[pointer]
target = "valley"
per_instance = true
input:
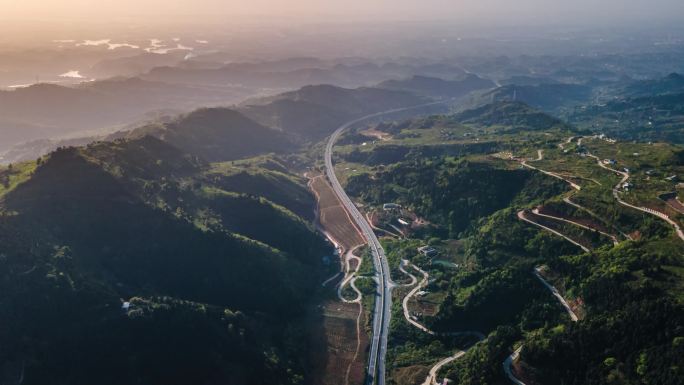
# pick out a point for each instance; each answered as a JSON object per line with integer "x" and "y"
{"x": 364, "y": 203}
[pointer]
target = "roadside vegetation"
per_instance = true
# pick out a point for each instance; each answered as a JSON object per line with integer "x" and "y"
{"x": 463, "y": 174}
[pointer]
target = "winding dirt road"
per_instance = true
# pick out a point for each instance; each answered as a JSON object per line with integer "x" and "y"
{"x": 507, "y": 365}
{"x": 376, "y": 228}
{"x": 413, "y": 277}
{"x": 350, "y": 277}
{"x": 576, "y": 187}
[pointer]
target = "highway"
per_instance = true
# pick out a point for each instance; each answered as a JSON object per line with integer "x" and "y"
{"x": 383, "y": 302}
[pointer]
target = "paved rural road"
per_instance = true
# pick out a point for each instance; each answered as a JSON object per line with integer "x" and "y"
{"x": 432, "y": 376}
{"x": 578, "y": 224}
{"x": 383, "y": 302}
{"x": 540, "y": 156}
{"x": 507, "y": 366}
{"x": 431, "y": 379}
{"x": 554, "y": 291}
{"x": 616, "y": 194}
{"x": 514, "y": 356}
{"x": 521, "y": 216}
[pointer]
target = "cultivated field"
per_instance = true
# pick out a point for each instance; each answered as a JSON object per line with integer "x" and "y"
{"x": 341, "y": 356}
{"x": 342, "y": 360}
{"x": 333, "y": 218}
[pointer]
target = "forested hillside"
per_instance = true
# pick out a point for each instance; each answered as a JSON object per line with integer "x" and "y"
{"x": 453, "y": 193}
{"x": 644, "y": 118}
{"x": 313, "y": 112}
{"x": 181, "y": 283}
{"x": 502, "y": 219}
{"x": 435, "y": 87}
{"x": 217, "y": 134}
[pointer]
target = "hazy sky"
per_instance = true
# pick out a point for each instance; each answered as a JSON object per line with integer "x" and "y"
{"x": 511, "y": 11}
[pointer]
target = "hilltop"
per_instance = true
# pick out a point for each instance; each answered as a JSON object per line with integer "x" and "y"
{"x": 313, "y": 112}
{"x": 267, "y": 124}
{"x": 217, "y": 134}
{"x": 439, "y": 88}
{"x": 508, "y": 113}
{"x": 547, "y": 97}
{"x": 50, "y": 110}
{"x": 671, "y": 84}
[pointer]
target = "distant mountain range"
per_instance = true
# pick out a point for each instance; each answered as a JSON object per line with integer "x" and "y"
{"x": 262, "y": 125}
{"x": 509, "y": 114}
{"x": 671, "y": 84}
{"x": 296, "y": 72}
{"x": 548, "y": 97}
{"x": 313, "y": 112}
{"x": 436, "y": 87}
{"x": 44, "y": 116}
{"x": 217, "y": 134}
{"x": 49, "y": 110}
{"x": 275, "y": 122}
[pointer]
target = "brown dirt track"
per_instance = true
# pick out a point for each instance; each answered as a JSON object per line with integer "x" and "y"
{"x": 340, "y": 357}
{"x": 339, "y": 329}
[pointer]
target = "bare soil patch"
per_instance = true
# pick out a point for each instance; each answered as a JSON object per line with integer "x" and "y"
{"x": 339, "y": 341}
{"x": 333, "y": 217}
{"x": 591, "y": 223}
{"x": 373, "y": 133}
{"x": 410, "y": 375}
{"x": 337, "y": 352}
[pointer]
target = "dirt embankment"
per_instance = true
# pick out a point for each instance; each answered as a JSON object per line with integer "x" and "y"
{"x": 582, "y": 220}
{"x": 332, "y": 216}
{"x": 339, "y": 342}
{"x": 336, "y": 346}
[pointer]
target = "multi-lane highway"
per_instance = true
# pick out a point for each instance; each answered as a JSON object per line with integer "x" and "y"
{"x": 383, "y": 300}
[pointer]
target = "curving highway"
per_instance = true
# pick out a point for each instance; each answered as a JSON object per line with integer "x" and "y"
{"x": 383, "y": 302}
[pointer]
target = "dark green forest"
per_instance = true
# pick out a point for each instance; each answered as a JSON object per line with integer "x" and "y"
{"x": 215, "y": 291}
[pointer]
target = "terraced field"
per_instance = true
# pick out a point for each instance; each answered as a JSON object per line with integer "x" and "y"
{"x": 333, "y": 217}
